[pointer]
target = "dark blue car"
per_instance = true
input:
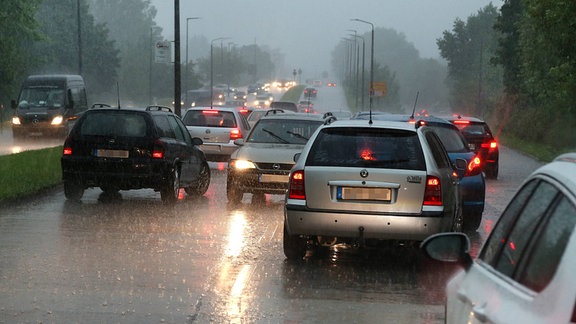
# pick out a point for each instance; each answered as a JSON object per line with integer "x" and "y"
{"x": 473, "y": 187}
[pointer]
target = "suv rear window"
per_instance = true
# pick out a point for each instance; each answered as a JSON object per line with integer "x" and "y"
{"x": 361, "y": 147}
{"x": 117, "y": 124}
{"x": 210, "y": 118}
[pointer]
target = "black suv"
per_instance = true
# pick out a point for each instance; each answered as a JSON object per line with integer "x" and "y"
{"x": 122, "y": 149}
{"x": 480, "y": 140}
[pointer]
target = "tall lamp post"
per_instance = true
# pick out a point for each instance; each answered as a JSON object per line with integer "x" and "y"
{"x": 212, "y": 68}
{"x": 371, "y": 62}
{"x": 356, "y": 58}
{"x": 186, "y": 71}
{"x": 362, "y": 95}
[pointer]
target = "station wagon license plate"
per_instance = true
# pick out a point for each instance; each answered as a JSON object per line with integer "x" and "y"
{"x": 355, "y": 193}
{"x": 122, "y": 154}
{"x": 282, "y": 178}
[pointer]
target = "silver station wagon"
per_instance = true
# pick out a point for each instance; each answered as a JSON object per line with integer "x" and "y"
{"x": 364, "y": 182}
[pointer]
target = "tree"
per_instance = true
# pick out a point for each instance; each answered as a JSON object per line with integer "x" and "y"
{"x": 18, "y": 28}
{"x": 475, "y": 83}
{"x": 59, "y": 51}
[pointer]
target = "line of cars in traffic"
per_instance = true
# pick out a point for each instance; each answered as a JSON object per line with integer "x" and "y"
{"x": 371, "y": 180}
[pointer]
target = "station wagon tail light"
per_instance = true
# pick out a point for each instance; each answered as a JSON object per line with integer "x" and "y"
{"x": 67, "y": 147}
{"x": 158, "y": 150}
{"x": 297, "y": 185}
{"x": 235, "y": 134}
{"x": 474, "y": 167}
{"x": 433, "y": 191}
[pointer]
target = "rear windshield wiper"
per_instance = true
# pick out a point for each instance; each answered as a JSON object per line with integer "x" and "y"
{"x": 297, "y": 135}
{"x": 275, "y": 136}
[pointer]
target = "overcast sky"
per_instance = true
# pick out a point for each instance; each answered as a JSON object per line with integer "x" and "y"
{"x": 306, "y": 31}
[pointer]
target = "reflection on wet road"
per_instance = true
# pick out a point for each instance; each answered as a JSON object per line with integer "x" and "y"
{"x": 130, "y": 258}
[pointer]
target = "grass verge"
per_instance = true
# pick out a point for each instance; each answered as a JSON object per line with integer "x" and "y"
{"x": 544, "y": 153}
{"x": 293, "y": 94}
{"x": 29, "y": 172}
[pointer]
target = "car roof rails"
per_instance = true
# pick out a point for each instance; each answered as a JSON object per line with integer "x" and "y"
{"x": 327, "y": 114}
{"x": 100, "y": 105}
{"x": 158, "y": 108}
{"x": 274, "y": 111}
{"x": 329, "y": 120}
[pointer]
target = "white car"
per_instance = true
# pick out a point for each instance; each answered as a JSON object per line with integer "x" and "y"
{"x": 218, "y": 128}
{"x": 525, "y": 270}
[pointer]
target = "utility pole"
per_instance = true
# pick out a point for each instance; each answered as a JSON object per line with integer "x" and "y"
{"x": 177, "y": 74}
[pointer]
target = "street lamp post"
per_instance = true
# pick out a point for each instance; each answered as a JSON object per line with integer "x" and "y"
{"x": 362, "y": 77}
{"x": 371, "y": 62}
{"x": 186, "y": 71}
{"x": 212, "y": 69}
{"x": 357, "y": 59}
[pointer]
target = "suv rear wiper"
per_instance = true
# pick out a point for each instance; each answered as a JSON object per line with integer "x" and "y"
{"x": 275, "y": 136}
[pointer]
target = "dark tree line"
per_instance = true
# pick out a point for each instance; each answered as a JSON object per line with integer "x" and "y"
{"x": 517, "y": 67}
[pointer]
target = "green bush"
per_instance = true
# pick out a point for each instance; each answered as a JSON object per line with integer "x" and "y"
{"x": 29, "y": 172}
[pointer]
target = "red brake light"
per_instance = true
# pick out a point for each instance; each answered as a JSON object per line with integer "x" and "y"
{"x": 492, "y": 145}
{"x": 210, "y": 112}
{"x": 462, "y": 122}
{"x": 433, "y": 191}
{"x": 67, "y": 151}
{"x": 158, "y": 150}
{"x": 235, "y": 134}
{"x": 474, "y": 167}
{"x": 297, "y": 185}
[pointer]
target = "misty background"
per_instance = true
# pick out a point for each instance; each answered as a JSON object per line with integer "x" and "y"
{"x": 307, "y": 31}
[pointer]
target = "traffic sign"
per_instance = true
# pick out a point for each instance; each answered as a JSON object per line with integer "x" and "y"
{"x": 162, "y": 52}
{"x": 379, "y": 88}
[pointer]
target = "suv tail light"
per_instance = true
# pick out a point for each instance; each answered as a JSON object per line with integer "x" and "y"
{"x": 297, "y": 185}
{"x": 158, "y": 150}
{"x": 433, "y": 191}
{"x": 474, "y": 167}
{"x": 235, "y": 133}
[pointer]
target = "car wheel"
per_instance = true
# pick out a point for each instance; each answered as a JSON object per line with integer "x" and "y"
{"x": 169, "y": 194}
{"x": 73, "y": 190}
{"x": 294, "y": 246}
{"x": 234, "y": 195}
{"x": 491, "y": 171}
{"x": 203, "y": 183}
{"x": 472, "y": 221}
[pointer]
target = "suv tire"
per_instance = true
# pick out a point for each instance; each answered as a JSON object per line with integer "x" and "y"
{"x": 73, "y": 191}
{"x": 202, "y": 184}
{"x": 472, "y": 221}
{"x": 294, "y": 246}
{"x": 169, "y": 193}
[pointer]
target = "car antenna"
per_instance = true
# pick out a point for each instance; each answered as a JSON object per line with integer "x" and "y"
{"x": 118, "y": 92}
{"x": 414, "y": 109}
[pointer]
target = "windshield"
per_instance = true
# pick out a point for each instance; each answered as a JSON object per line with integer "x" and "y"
{"x": 283, "y": 131}
{"x": 45, "y": 96}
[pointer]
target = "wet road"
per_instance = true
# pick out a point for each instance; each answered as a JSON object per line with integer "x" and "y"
{"x": 130, "y": 259}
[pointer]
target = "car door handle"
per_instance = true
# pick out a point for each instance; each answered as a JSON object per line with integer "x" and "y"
{"x": 478, "y": 311}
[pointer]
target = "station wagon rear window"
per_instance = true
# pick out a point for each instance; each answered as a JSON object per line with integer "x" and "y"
{"x": 107, "y": 123}
{"x": 362, "y": 147}
{"x": 210, "y": 118}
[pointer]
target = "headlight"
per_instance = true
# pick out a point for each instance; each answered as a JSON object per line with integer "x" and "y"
{"x": 16, "y": 120}
{"x": 242, "y": 165}
{"x": 57, "y": 120}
